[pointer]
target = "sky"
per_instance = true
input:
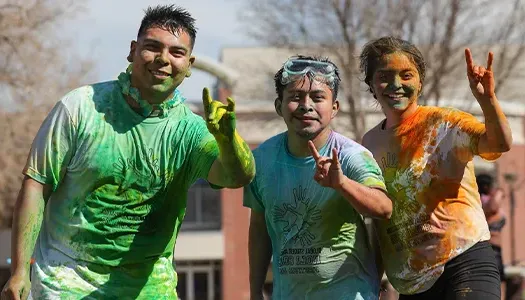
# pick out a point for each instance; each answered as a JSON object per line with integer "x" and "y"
{"x": 106, "y": 28}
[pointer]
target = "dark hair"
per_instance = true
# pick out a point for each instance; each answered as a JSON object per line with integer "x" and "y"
{"x": 375, "y": 49}
{"x": 170, "y": 17}
{"x": 485, "y": 183}
{"x": 334, "y": 86}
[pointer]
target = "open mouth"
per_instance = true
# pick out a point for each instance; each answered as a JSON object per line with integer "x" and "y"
{"x": 395, "y": 96}
{"x": 159, "y": 74}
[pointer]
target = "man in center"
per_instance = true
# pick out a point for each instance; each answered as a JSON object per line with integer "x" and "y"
{"x": 311, "y": 192}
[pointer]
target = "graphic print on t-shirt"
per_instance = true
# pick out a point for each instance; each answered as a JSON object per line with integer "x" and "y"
{"x": 298, "y": 218}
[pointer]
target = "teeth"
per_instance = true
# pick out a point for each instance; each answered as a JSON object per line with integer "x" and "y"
{"x": 159, "y": 73}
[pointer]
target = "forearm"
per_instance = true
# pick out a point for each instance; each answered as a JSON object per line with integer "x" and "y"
{"x": 260, "y": 253}
{"x": 237, "y": 160}
{"x": 27, "y": 220}
{"x": 499, "y": 134}
{"x": 367, "y": 201}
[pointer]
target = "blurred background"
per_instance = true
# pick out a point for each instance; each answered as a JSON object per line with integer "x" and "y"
{"x": 50, "y": 47}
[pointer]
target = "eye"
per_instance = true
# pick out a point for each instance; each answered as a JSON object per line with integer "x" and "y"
{"x": 178, "y": 53}
{"x": 295, "y": 96}
{"x": 151, "y": 47}
{"x": 408, "y": 76}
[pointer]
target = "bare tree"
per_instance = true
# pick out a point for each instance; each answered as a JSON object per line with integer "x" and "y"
{"x": 441, "y": 29}
{"x": 37, "y": 66}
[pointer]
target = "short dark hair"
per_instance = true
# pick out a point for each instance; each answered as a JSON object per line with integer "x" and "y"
{"x": 170, "y": 17}
{"x": 375, "y": 49}
{"x": 485, "y": 183}
{"x": 334, "y": 86}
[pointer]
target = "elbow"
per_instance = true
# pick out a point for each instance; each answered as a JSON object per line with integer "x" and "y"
{"x": 385, "y": 211}
{"x": 507, "y": 144}
{"x": 386, "y": 214}
{"x": 504, "y": 146}
{"x": 243, "y": 180}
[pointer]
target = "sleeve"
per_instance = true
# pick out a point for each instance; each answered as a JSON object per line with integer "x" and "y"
{"x": 252, "y": 198}
{"x": 467, "y": 132}
{"x": 363, "y": 168}
{"x": 52, "y": 148}
{"x": 204, "y": 150}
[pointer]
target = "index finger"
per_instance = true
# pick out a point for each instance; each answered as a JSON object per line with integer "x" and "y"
{"x": 206, "y": 100}
{"x": 313, "y": 150}
{"x": 335, "y": 157}
{"x": 489, "y": 61}
{"x": 469, "y": 60}
{"x": 231, "y": 104}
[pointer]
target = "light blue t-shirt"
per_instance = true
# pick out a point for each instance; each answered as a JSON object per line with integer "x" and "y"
{"x": 320, "y": 244}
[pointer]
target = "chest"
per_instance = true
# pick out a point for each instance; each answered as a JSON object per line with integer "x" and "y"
{"x": 296, "y": 205}
{"x": 143, "y": 156}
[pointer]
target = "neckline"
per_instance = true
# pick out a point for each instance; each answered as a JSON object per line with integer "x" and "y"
{"x": 308, "y": 158}
{"x": 382, "y": 125}
{"x": 144, "y": 108}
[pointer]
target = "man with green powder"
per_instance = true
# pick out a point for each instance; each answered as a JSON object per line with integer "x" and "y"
{"x": 108, "y": 174}
{"x": 308, "y": 204}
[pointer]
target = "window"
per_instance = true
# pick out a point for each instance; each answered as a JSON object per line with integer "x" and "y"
{"x": 203, "y": 210}
{"x": 199, "y": 280}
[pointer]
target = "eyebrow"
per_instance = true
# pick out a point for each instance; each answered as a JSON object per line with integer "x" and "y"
{"x": 154, "y": 41}
{"x": 387, "y": 70}
{"x": 295, "y": 90}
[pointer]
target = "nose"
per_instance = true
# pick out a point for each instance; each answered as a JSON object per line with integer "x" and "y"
{"x": 396, "y": 83}
{"x": 162, "y": 57}
{"x": 305, "y": 105}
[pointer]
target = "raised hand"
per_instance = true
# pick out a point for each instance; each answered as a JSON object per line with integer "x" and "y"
{"x": 328, "y": 172}
{"x": 481, "y": 79}
{"x": 220, "y": 118}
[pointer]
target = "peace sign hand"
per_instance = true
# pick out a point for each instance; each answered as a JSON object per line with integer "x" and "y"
{"x": 328, "y": 172}
{"x": 220, "y": 118}
{"x": 481, "y": 80}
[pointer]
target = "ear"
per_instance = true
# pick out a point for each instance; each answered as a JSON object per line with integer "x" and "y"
{"x": 335, "y": 108}
{"x": 278, "y": 103}
{"x": 420, "y": 89}
{"x": 132, "y": 48}
{"x": 192, "y": 60}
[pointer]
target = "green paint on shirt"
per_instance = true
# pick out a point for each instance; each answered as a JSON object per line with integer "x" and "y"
{"x": 120, "y": 184}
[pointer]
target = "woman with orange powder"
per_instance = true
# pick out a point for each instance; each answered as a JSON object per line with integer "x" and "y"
{"x": 435, "y": 246}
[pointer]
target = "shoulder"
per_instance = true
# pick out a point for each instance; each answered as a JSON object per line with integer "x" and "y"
{"x": 372, "y": 133}
{"x": 87, "y": 94}
{"x": 345, "y": 145}
{"x": 443, "y": 114}
{"x": 269, "y": 148}
{"x": 82, "y": 100}
{"x": 185, "y": 113}
{"x": 270, "y": 144}
{"x": 455, "y": 120}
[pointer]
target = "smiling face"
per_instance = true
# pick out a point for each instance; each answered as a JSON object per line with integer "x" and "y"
{"x": 396, "y": 83}
{"x": 161, "y": 61}
{"x": 307, "y": 107}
